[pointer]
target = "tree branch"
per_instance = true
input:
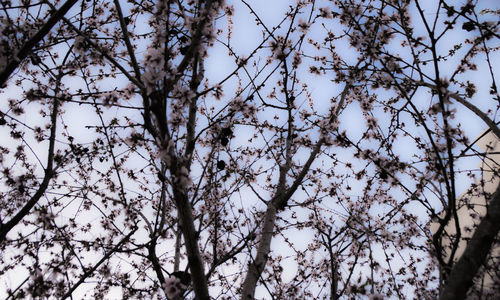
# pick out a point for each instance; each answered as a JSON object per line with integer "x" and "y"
{"x": 28, "y": 46}
{"x": 5, "y": 228}
{"x": 94, "y": 268}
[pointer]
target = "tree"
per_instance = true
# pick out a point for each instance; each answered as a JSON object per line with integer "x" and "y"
{"x": 166, "y": 160}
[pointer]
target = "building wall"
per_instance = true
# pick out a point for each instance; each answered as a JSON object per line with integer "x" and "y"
{"x": 472, "y": 208}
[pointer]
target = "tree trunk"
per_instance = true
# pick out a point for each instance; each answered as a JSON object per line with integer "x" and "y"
{"x": 255, "y": 267}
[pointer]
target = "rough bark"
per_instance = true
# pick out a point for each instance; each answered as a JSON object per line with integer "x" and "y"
{"x": 196, "y": 267}
{"x": 256, "y": 266}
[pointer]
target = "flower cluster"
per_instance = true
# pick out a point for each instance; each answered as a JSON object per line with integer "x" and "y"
{"x": 303, "y": 25}
{"x": 155, "y": 68}
{"x": 238, "y": 105}
{"x": 278, "y": 47}
{"x": 325, "y": 12}
{"x": 79, "y": 46}
{"x": 44, "y": 217}
{"x": 173, "y": 287}
{"x": 326, "y": 127}
{"x": 183, "y": 178}
{"x": 165, "y": 153}
{"x": 110, "y": 98}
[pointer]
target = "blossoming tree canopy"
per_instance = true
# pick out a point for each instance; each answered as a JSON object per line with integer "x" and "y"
{"x": 185, "y": 149}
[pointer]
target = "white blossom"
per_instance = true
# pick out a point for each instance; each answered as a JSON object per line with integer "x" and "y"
{"x": 173, "y": 287}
